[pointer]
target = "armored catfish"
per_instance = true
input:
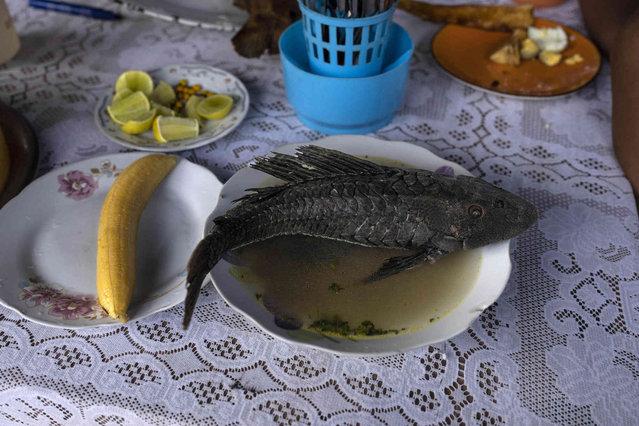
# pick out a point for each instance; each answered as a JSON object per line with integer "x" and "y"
{"x": 330, "y": 194}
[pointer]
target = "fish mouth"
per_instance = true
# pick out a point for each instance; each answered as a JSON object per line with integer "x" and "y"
{"x": 522, "y": 213}
{"x": 521, "y": 220}
{"x": 528, "y": 215}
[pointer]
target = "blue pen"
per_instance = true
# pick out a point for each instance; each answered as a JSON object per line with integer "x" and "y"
{"x": 74, "y": 9}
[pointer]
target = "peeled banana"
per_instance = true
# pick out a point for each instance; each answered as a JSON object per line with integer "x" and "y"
{"x": 118, "y": 227}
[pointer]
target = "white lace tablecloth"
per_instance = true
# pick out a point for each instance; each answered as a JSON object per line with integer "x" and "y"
{"x": 560, "y": 346}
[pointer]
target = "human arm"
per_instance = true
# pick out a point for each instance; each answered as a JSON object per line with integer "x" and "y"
{"x": 614, "y": 26}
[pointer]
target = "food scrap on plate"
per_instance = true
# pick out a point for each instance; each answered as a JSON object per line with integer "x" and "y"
{"x": 518, "y": 62}
{"x": 544, "y": 44}
{"x": 494, "y": 18}
{"x": 505, "y": 49}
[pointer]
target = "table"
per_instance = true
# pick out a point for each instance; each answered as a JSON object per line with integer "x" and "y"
{"x": 560, "y": 346}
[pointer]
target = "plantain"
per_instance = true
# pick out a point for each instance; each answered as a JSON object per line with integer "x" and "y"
{"x": 117, "y": 230}
{"x": 4, "y": 161}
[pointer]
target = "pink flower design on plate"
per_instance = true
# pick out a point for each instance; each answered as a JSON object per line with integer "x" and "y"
{"x": 73, "y": 307}
{"x": 35, "y": 295}
{"x": 69, "y": 307}
{"x": 106, "y": 166}
{"x": 445, "y": 170}
{"x": 77, "y": 185}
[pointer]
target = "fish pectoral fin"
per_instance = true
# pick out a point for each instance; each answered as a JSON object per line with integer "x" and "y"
{"x": 398, "y": 264}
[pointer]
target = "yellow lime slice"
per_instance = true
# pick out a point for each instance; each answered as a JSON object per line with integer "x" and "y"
{"x": 163, "y": 93}
{"x": 190, "y": 109}
{"x": 121, "y": 95}
{"x": 140, "y": 124}
{"x": 215, "y": 107}
{"x": 134, "y": 80}
{"x": 162, "y": 110}
{"x": 129, "y": 108}
{"x": 175, "y": 128}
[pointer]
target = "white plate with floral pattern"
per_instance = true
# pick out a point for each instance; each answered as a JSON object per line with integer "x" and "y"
{"x": 494, "y": 268}
{"x": 209, "y": 78}
{"x": 49, "y": 240}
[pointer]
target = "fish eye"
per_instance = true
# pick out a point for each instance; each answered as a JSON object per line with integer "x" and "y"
{"x": 475, "y": 211}
{"x": 498, "y": 204}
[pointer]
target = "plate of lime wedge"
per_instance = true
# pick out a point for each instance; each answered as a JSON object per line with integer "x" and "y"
{"x": 173, "y": 108}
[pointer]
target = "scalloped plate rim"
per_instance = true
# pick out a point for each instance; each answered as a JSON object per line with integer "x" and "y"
{"x": 389, "y": 345}
{"x": 516, "y": 96}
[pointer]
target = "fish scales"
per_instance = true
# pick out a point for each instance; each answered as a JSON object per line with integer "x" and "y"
{"x": 329, "y": 194}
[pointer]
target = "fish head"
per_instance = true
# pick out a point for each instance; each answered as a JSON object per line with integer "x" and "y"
{"x": 486, "y": 214}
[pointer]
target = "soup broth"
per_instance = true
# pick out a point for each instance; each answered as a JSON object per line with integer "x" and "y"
{"x": 307, "y": 280}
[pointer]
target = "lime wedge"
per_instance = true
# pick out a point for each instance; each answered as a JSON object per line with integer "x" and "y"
{"x": 162, "y": 110}
{"x": 215, "y": 107}
{"x": 121, "y": 95}
{"x": 190, "y": 108}
{"x": 175, "y": 128}
{"x": 140, "y": 124}
{"x": 134, "y": 80}
{"x": 129, "y": 108}
{"x": 163, "y": 93}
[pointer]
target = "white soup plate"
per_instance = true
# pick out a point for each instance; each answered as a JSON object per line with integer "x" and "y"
{"x": 494, "y": 269}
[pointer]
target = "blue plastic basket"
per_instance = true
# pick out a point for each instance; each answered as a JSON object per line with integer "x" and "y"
{"x": 346, "y": 47}
{"x": 345, "y": 105}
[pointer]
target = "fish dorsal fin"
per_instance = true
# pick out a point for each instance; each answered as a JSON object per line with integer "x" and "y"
{"x": 260, "y": 194}
{"x": 313, "y": 162}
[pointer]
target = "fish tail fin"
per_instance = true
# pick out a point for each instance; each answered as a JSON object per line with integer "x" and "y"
{"x": 397, "y": 264}
{"x": 205, "y": 256}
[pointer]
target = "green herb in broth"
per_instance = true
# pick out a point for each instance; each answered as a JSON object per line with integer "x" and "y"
{"x": 342, "y": 328}
{"x": 335, "y": 288}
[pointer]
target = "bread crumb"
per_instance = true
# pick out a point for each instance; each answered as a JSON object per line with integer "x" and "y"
{"x": 508, "y": 54}
{"x": 574, "y": 59}
{"x": 529, "y": 49}
{"x": 550, "y": 58}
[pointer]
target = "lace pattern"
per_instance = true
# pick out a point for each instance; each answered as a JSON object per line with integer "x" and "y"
{"x": 560, "y": 346}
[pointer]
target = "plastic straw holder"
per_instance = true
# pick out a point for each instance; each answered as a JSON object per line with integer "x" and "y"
{"x": 346, "y": 47}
